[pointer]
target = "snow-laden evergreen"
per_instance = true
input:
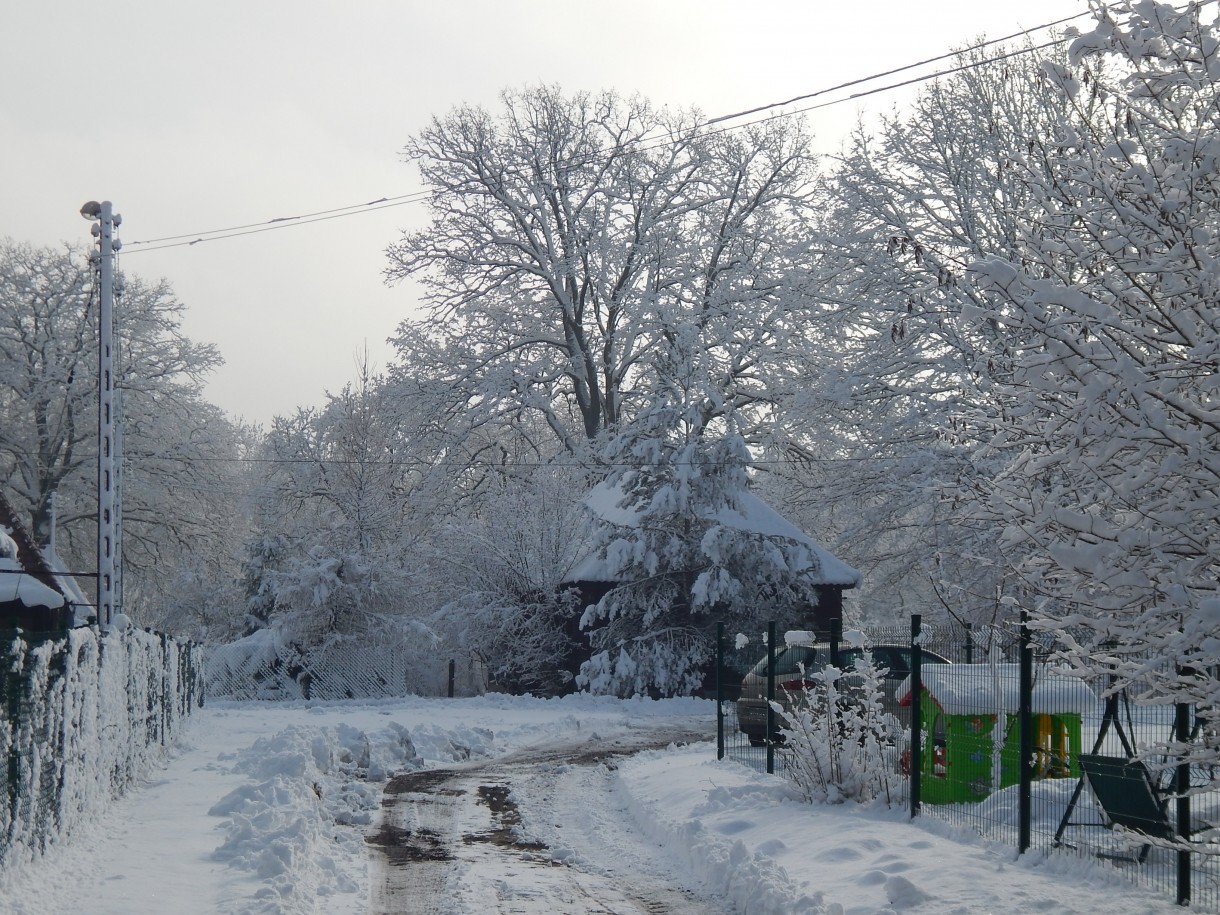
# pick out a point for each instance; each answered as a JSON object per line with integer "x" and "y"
{"x": 675, "y": 537}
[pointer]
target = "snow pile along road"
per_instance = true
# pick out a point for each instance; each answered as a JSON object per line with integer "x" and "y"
{"x": 750, "y": 837}
{"x": 298, "y": 823}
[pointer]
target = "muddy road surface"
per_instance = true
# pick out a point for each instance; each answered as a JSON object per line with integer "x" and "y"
{"x": 537, "y": 831}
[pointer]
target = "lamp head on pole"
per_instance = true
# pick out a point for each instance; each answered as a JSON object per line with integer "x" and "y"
{"x": 91, "y": 210}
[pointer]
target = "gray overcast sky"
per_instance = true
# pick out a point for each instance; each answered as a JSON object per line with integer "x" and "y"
{"x": 199, "y": 116}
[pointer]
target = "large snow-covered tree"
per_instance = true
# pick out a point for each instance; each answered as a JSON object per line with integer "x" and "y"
{"x": 1112, "y": 440}
{"x": 176, "y": 446}
{"x": 914, "y": 199}
{"x": 570, "y": 234}
{"x": 596, "y": 268}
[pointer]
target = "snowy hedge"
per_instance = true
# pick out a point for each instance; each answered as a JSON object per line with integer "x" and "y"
{"x": 80, "y": 717}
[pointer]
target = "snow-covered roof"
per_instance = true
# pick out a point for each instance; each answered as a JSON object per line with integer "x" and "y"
{"x": 25, "y": 576}
{"x": 755, "y": 516}
{"x": 16, "y": 585}
{"x": 984, "y": 689}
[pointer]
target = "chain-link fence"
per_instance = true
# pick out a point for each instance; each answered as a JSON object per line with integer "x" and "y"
{"x": 80, "y": 715}
{"x": 973, "y": 706}
{"x": 371, "y": 666}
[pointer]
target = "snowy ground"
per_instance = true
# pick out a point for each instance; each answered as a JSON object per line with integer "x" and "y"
{"x": 266, "y": 808}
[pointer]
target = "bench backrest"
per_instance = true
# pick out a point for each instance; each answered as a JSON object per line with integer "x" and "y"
{"x": 1124, "y": 790}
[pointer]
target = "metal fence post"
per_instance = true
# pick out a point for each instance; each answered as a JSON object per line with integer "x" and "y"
{"x": 770, "y": 698}
{"x": 720, "y": 690}
{"x": 916, "y": 713}
{"x": 1025, "y": 725}
{"x": 1182, "y": 789}
{"x": 452, "y": 675}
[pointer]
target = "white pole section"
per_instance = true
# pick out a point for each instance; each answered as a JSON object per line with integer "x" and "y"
{"x": 107, "y": 438}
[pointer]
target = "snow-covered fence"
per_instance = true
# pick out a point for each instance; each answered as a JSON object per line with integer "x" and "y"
{"x": 80, "y": 717}
{"x": 372, "y": 666}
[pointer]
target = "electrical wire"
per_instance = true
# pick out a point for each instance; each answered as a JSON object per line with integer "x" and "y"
{"x": 866, "y": 79}
{"x": 283, "y": 222}
{"x": 355, "y": 207}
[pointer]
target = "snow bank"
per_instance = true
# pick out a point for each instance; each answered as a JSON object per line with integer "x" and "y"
{"x": 750, "y": 837}
{"x": 653, "y": 784}
{"x": 298, "y": 825}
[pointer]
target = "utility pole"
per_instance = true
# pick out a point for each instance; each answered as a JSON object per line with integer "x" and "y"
{"x": 105, "y": 221}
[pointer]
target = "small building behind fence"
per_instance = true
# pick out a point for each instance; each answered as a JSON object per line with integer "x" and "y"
{"x": 969, "y": 714}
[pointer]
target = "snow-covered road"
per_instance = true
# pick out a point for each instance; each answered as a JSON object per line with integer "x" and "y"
{"x": 537, "y": 830}
{"x": 276, "y": 809}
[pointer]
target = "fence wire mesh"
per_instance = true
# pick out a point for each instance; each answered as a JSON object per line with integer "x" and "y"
{"x": 969, "y": 771}
{"x": 80, "y": 715}
{"x": 371, "y": 666}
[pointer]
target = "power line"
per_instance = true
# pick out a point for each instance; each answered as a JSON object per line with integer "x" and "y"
{"x": 426, "y": 464}
{"x": 349, "y": 210}
{"x": 284, "y": 222}
{"x": 866, "y": 79}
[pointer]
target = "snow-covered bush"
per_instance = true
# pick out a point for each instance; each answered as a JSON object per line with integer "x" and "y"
{"x": 841, "y": 739}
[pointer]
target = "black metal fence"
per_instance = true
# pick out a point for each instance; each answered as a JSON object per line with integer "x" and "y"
{"x": 1006, "y": 744}
{"x": 80, "y": 715}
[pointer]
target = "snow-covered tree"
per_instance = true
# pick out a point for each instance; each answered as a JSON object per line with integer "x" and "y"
{"x": 186, "y": 581}
{"x": 1111, "y": 439}
{"x": 913, "y": 201}
{"x": 580, "y": 249}
{"x": 677, "y": 538}
{"x": 498, "y": 566}
{"x": 567, "y": 232}
{"x": 175, "y": 445}
{"x": 331, "y": 553}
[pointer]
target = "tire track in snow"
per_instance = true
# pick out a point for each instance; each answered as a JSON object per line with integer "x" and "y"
{"x": 535, "y": 831}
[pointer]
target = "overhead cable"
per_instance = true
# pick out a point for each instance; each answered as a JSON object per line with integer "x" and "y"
{"x": 283, "y": 222}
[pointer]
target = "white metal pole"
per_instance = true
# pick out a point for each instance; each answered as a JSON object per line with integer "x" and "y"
{"x": 107, "y": 439}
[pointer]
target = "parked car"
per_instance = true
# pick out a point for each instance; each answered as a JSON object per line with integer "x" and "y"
{"x": 794, "y": 667}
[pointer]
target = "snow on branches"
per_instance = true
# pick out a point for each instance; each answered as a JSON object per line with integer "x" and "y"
{"x": 1113, "y": 438}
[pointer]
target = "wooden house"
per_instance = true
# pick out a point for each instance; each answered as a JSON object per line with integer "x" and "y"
{"x": 827, "y": 575}
{"x": 814, "y": 569}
